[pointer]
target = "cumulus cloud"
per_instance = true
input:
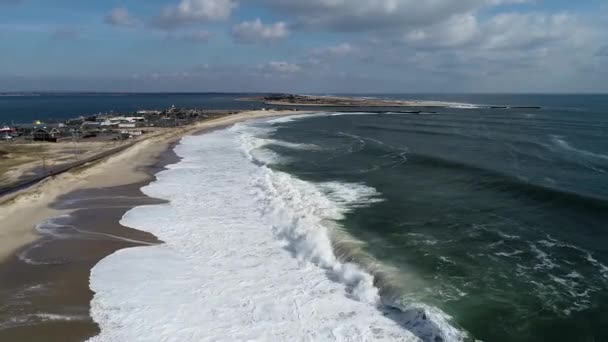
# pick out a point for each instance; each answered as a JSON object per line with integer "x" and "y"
{"x": 431, "y": 45}
{"x": 120, "y": 17}
{"x": 506, "y": 31}
{"x": 366, "y": 15}
{"x": 192, "y": 11}
{"x": 530, "y": 30}
{"x": 516, "y": 50}
{"x": 256, "y": 31}
{"x": 456, "y": 31}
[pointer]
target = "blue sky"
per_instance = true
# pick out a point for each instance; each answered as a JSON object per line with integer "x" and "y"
{"x": 305, "y": 45}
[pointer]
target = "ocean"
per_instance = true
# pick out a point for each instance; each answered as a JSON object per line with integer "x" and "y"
{"x": 455, "y": 224}
{"x": 52, "y": 108}
{"x": 496, "y": 217}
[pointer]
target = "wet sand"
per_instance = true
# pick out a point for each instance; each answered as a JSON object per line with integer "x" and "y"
{"x": 44, "y": 273}
{"x": 45, "y": 291}
{"x": 22, "y": 210}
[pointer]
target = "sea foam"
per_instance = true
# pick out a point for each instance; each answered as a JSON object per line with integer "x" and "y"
{"x": 247, "y": 257}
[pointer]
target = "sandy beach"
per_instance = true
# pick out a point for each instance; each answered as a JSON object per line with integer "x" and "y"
{"x": 45, "y": 292}
{"x": 45, "y": 288}
{"x": 23, "y": 210}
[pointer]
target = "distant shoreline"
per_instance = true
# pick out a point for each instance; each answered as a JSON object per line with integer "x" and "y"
{"x": 339, "y": 101}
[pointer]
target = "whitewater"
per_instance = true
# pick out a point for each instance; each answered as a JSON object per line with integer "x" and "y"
{"x": 246, "y": 257}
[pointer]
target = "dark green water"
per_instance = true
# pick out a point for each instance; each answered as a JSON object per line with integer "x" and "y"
{"x": 497, "y": 217}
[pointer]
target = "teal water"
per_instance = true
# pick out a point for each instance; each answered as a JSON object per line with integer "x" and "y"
{"x": 498, "y": 217}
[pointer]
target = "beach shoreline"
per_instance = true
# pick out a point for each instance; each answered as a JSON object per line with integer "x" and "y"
{"x": 87, "y": 203}
{"x": 45, "y": 288}
{"x": 24, "y": 209}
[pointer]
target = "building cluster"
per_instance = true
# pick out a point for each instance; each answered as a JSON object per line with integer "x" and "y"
{"x": 104, "y": 127}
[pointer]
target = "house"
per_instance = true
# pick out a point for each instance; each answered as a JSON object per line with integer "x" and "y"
{"x": 28, "y": 129}
{"x": 44, "y": 134}
{"x": 91, "y": 125}
{"x": 125, "y": 122}
{"x": 133, "y": 133}
{"x": 7, "y": 133}
{"x": 139, "y": 120}
{"x": 148, "y": 112}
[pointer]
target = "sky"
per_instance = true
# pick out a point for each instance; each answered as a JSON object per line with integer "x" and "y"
{"x": 306, "y": 46}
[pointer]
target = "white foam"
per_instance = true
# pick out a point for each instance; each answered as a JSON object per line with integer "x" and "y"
{"x": 351, "y": 113}
{"x": 247, "y": 258}
{"x": 462, "y": 105}
{"x": 509, "y": 254}
{"x": 290, "y": 118}
{"x": 545, "y": 261}
{"x": 257, "y": 141}
{"x": 290, "y": 145}
{"x": 39, "y": 318}
{"x": 561, "y": 142}
{"x": 53, "y": 227}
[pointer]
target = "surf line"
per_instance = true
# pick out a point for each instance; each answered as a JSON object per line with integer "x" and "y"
{"x": 116, "y": 237}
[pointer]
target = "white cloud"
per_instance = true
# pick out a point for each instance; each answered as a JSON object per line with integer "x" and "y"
{"x": 514, "y": 51}
{"x": 120, "y": 17}
{"x": 432, "y": 45}
{"x": 256, "y": 31}
{"x": 366, "y": 15}
{"x": 456, "y": 31}
{"x": 531, "y": 30}
{"x": 191, "y": 11}
{"x": 506, "y": 31}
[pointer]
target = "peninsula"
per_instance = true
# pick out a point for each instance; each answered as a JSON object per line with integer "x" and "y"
{"x": 361, "y": 102}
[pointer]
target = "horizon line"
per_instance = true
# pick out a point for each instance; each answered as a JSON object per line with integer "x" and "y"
{"x": 50, "y": 92}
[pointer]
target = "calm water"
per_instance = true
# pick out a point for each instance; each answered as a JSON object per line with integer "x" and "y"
{"x": 497, "y": 217}
{"x": 26, "y": 109}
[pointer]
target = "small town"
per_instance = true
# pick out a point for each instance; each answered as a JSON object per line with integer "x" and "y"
{"x": 104, "y": 127}
{"x": 34, "y": 151}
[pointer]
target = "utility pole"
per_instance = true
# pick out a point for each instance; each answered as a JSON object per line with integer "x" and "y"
{"x": 44, "y": 170}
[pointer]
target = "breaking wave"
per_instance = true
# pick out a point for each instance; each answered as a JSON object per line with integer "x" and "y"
{"x": 248, "y": 256}
{"x": 305, "y": 215}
